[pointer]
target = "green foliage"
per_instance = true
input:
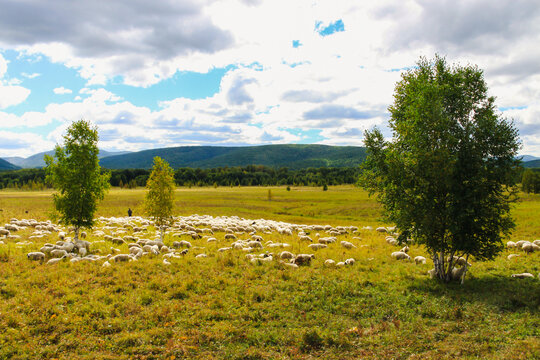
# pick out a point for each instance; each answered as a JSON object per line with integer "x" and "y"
{"x": 158, "y": 201}
{"x": 325, "y": 187}
{"x": 530, "y": 181}
{"x": 294, "y": 156}
{"x": 447, "y": 178}
{"x": 76, "y": 174}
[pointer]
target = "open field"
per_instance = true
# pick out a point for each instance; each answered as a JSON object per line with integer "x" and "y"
{"x": 225, "y": 307}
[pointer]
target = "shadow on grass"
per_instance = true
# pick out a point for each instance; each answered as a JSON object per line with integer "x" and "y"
{"x": 506, "y": 294}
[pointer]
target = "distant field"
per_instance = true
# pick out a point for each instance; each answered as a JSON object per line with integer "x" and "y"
{"x": 224, "y": 307}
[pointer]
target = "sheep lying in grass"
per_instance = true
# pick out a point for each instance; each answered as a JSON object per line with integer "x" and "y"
{"x": 419, "y": 260}
{"x": 329, "y": 262}
{"x": 523, "y": 276}
{"x": 511, "y": 256}
{"x": 510, "y": 244}
{"x": 400, "y": 255}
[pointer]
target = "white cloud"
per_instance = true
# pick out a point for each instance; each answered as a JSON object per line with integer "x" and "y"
{"x": 10, "y": 93}
{"x": 62, "y": 91}
{"x": 22, "y": 144}
{"x": 30, "y": 76}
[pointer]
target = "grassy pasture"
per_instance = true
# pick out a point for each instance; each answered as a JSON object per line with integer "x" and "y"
{"x": 224, "y": 307}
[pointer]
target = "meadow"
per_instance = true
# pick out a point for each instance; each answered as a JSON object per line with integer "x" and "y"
{"x": 225, "y": 307}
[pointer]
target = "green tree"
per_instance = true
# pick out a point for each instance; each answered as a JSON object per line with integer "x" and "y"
{"x": 75, "y": 173}
{"x": 447, "y": 178}
{"x": 158, "y": 202}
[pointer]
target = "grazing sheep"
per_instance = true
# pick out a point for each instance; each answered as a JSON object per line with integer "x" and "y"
{"x": 286, "y": 255}
{"x": 523, "y": 276}
{"x": 121, "y": 258}
{"x": 56, "y": 260}
{"x": 230, "y": 237}
{"x": 212, "y": 239}
{"x": 166, "y": 262}
{"x": 224, "y": 249}
{"x": 381, "y": 229}
{"x": 305, "y": 238}
{"x": 329, "y": 262}
{"x": 255, "y": 244}
{"x": 535, "y": 247}
{"x": 317, "y": 246}
{"x": 37, "y": 256}
{"x": 536, "y": 242}
{"x": 520, "y": 243}
{"x": 400, "y": 255}
{"x": 106, "y": 264}
{"x": 432, "y": 273}
{"x": 510, "y": 244}
{"x": 347, "y": 245}
{"x": 340, "y": 264}
{"x": 184, "y": 252}
{"x": 261, "y": 260}
{"x": 528, "y": 248}
{"x": 57, "y": 253}
{"x": 420, "y": 260}
{"x": 327, "y": 240}
{"x": 303, "y": 259}
{"x": 350, "y": 262}
{"x": 201, "y": 256}
{"x": 511, "y": 256}
{"x": 405, "y": 249}
{"x": 457, "y": 273}
{"x": 179, "y": 244}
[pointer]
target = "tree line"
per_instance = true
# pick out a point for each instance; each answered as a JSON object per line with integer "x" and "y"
{"x": 251, "y": 175}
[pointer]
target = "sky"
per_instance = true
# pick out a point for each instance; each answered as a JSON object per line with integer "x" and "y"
{"x": 163, "y": 73}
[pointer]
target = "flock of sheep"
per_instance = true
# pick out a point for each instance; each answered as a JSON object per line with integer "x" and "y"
{"x": 190, "y": 233}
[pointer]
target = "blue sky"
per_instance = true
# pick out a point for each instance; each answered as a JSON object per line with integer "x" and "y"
{"x": 222, "y": 73}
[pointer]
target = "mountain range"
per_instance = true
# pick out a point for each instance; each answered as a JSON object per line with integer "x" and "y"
{"x": 293, "y": 156}
{"x": 37, "y": 161}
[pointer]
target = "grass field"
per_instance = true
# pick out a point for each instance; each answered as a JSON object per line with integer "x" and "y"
{"x": 224, "y": 307}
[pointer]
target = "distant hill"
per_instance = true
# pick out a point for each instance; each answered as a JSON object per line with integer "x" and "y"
{"x": 5, "y": 165}
{"x": 526, "y": 158}
{"x": 293, "y": 156}
{"x": 36, "y": 160}
{"x": 532, "y": 164}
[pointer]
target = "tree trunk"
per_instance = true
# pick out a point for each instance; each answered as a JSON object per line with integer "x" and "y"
{"x": 466, "y": 268}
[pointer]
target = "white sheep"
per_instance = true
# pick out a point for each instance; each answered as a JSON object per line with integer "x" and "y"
{"x": 317, "y": 246}
{"x": 536, "y": 242}
{"x": 347, "y": 245}
{"x": 381, "y": 229}
{"x": 37, "y": 256}
{"x": 166, "y": 262}
{"x": 201, "y": 256}
{"x": 527, "y": 247}
{"x": 457, "y": 273}
{"x": 329, "y": 262}
{"x": 510, "y": 244}
{"x": 523, "y": 276}
{"x": 511, "y": 256}
{"x": 106, "y": 264}
{"x": 121, "y": 258}
{"x": 55, "y": 260}
{"x": 350, "y": 262}
{"x": 400, "y": 255}
{"x": 289, "y": 265}
{"x": 286, "y": 255}
{"x": 305, "y": 238}
{"x": 420, "y": 260}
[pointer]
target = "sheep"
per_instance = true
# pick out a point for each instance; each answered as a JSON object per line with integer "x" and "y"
{"x": 183, "y": 243}
{"x": 286, "y": 255}
{"x": 121, "y": 258}
{"x": 224, "y": 249}
{"x": 527, "y": 247}
{"x": 399, "y": 255}
{"x": 520, "y": 243}
{"x": 432, "y": 273}
{"x": 212, "y": 239}
{"x": 347, "y": 245}
{"x": 340, "y": 264}
{"x": 350, "y": 262}
{"x": 511, "y": 256}
{"x": 289, "y": 265}
{"x": 329, "y": 262}
{"x": 166, "y": 262}
{"x": 106, "y": 264}
{"x": 57, "y": 253}
{"x": 305, "y": 238}
{"x": 303, "y": 259}
{"x": 510, "y": 244}
{"x": 381, "y": 229}
{"x": 405, "y": 249}
{"x": 536, "y": 242}
{"x": 419, "y": 260}
{"x": 230, "y": 237}
{"x": 37, "y": 256}
{"x": 255, "y": 244}
{"x": 201, "y": 256}
{"x": 317, "y": 246}
{"x": 457, "y": 273}
{"x": 535, "y": 247}
{"x": 523, "y": 276}
{"x": 259, "y": 260}
{"x": 327, "y": 240}
{"x": 56, "y": 260}
{"x": 4, "y": 232}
